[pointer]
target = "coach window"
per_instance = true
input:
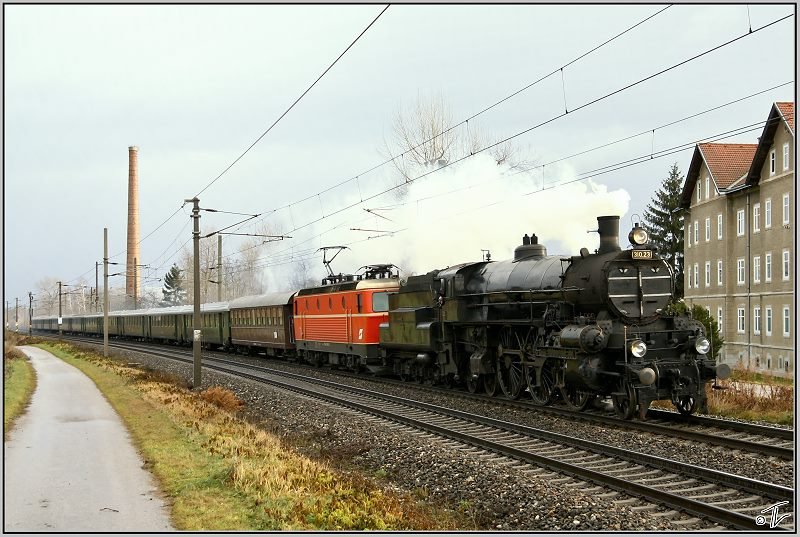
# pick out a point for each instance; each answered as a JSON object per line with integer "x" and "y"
{"x": 344, "y": 303}
{"x": 318, "y": 308}
{"x": 358, "y": 302}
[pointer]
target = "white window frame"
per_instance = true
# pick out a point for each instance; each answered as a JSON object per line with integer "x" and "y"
{"x": 696, "y": 232}
{"x": 785, "y": 209}
{"x": 757, "y": 320}
{"x": 689, "y": 278}
{"x": 768, "y": 320}
{"x": 740, "y": 320}
{"x": 740, "y": 224}
{"x": 719, "y": 271}
{"x": 720, "y": 319}
{"x": 757, "y": 269}
{"x": 698, "y": 191}
{"x": 756, "y": 218}
{"x": 708, "y": 182}
{"x": 785, "y": 156}
{"x": 787, "y": 322}
{"x": 768, "y": 267}
{"x": 708, "y": 273}
{"x": 708, "y": 229}
{"x": 772, "y": 162}
{"x": 740, "y": 269}
{"x": 688, "y": 234}
{"x": 696, "y": 275}
{"x": 719, "y": 226}
{"x": 786, "y": 265}
{"x": 768, "y": 213}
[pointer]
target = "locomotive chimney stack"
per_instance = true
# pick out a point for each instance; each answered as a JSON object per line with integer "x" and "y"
{"x": 608, "y": 228}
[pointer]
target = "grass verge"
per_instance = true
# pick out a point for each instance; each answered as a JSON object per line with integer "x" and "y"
{"x": 222, "y": 473}
{"x": 19, "y": 382}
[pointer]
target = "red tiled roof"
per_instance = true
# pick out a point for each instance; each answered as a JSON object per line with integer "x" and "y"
{"x": 787, "y": 110}
{"x": 728, "y": 162}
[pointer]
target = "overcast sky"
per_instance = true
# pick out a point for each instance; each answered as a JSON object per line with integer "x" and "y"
{"x": 193, "y": 86}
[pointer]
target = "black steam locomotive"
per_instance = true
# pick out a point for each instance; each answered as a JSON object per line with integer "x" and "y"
{"x": 570, "y": 328}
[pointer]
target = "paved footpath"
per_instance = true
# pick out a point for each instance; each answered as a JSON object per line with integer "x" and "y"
{"x": 69, "y": 462}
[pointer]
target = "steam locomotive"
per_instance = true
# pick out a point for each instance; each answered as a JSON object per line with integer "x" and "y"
{"x": 557, "y": 328}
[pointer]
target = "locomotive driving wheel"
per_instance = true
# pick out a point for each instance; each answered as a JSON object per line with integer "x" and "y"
{"x": 511, "y": 376}
{"x": 686, "y": 404}
{"x": 490, "y": 384}
{"x": 574, "y": 398}
{"x": 543, "y": 393}
{"x": 625, "y": 400}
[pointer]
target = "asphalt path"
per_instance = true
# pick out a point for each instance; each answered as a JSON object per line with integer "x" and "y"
{"x": 69, "y": 463}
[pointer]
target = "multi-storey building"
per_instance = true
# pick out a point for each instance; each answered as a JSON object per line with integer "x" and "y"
{"x": 739, "y": 243}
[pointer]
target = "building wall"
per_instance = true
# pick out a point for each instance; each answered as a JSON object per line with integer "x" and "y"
{"x": 771, "y": 351}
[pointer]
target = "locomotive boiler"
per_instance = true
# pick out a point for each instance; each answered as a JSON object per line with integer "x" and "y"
{"x": 557, "y": 327}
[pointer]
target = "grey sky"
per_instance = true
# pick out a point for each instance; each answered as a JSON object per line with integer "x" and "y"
{"x": 193, "y": 86}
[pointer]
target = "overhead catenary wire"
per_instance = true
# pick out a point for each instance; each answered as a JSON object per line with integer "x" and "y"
{"x": 473, "y": 116}
{"x": 294, "y": 103}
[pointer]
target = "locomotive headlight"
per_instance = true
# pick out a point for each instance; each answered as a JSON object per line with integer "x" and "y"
{"x": 638, "y": 348}
{"x": 702, "y": 345}
{"x": 638, "y": 236}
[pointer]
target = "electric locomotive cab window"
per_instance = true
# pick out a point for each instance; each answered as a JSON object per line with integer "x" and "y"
{"x": 380, "y": 302}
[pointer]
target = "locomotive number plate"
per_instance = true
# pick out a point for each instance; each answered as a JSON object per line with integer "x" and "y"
{"x": 641, "y": 254}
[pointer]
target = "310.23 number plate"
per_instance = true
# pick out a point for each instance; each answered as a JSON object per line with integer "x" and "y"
{"x": 642, "y": 254}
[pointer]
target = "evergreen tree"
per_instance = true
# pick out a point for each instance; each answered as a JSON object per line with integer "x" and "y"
{"x": 664, "y": 222}
{"x": 174, "y": 291}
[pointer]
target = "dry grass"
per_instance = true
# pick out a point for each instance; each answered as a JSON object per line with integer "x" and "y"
{"x": 222, "y": 398}
{"x": 226, "y": 474}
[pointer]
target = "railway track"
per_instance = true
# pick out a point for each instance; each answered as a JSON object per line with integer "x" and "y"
{"x": 723, "y": 499}
{"x": 742, "y": 436}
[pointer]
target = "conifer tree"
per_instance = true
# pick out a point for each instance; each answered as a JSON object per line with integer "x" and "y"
{"x": 174, "y": 291}
{"x": 664, "y": 222}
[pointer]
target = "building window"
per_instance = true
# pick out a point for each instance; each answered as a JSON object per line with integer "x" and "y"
{"x": 719, "y": 227}
{"x": 688, "y": 234}
{"x": 768, "y": 266}
{"x": 769, "y": 361}
{"x": 740, "y": 271}
{"x": 689, "y": 279}
{"x": 708, "y": 229}
{"x": 740, "y": 320}
{"x": 696, "y": 232}
{"x": 740, "y": 222}
{"x": 696, "y": 275}
{"x": 786, "y": 208}
{"x": 757, "y": 320}
{"x": 698, "y": 192}
{"x": 772, "y": 162}
{"x": 719, "y": 319}
{"x": 708, "y": 182}
{"x": 757, "y": 269}
{"x": 786, "y": 321}
{"x": 768, "y": 213}
{"x": 768, "y": 320}
{"x": 786, "y": 264}
{"x": 757, "y": 217}
{"x": 785, "y": 157}
{"x": 719, "y": 271}
{"x": 708, "y": 273}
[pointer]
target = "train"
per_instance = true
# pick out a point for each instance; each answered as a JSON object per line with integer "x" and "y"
{"x": 555, "y": 328}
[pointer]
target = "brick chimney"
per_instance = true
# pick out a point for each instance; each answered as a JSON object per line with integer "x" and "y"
{"x": 133, "y": 285}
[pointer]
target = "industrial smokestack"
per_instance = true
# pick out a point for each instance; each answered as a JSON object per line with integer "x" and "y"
{"x": 608, "y": 228}
{"x": 132, "y": 279}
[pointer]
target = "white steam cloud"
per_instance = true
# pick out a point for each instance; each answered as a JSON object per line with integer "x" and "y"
{"x": 451, "y": 215}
